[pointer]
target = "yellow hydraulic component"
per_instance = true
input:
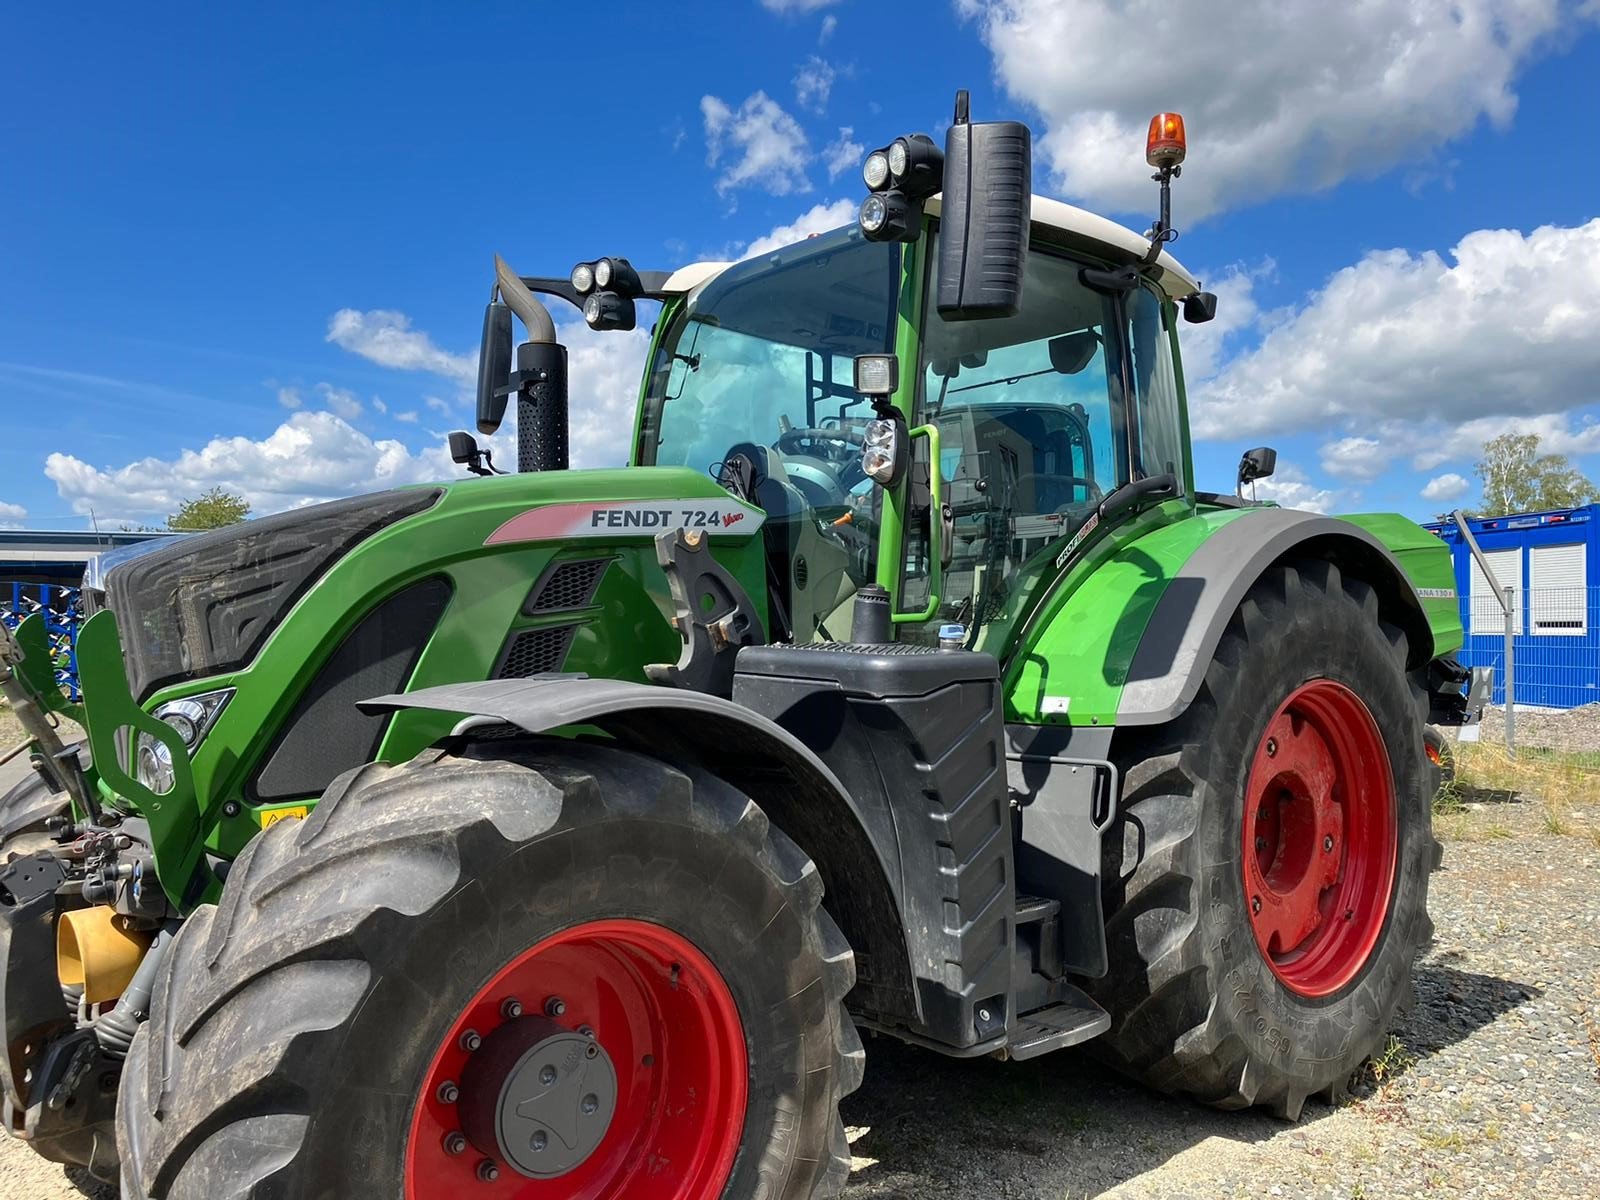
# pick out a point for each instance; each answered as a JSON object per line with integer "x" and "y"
{"x": 97, "y": 948}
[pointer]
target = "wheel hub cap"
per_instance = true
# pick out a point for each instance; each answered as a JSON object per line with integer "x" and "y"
{"x": 1319, "y": 838}
{"x": 539, "y": 1097}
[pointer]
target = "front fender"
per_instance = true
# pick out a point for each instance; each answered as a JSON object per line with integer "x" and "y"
{"x": 795, "y": 788}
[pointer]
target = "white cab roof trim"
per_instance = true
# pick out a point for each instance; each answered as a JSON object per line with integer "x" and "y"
{"x": 1071, "y": 219}
{"x": 1177, "y": 282}
{"x": 686, "y": 279}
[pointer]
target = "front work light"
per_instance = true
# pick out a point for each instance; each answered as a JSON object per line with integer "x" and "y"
{"x": 917, "y": 165}
{"x": 1165, "y": 145}
{"x": 883, "y": 456}
{"x": 583, "y": 278}
{"x": 609, "y": 310}
{"x": 876, "y": 170}
{"x": 877, "y": 374}
{"x": 890, "y": 217}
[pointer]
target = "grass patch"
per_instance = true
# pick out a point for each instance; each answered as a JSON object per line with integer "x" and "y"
{"x": 1562, "y": 783}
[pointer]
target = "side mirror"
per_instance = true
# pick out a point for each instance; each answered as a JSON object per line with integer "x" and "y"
{"x": 1256, "y": 464}
{"x": 465, "y": 452}
{"x": 494, "y": 370}
{"x": 984, "y": 219}
{"x": 1199, "y": 307}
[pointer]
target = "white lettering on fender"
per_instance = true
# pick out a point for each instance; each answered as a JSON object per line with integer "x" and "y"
{"x": 629, "y": 518}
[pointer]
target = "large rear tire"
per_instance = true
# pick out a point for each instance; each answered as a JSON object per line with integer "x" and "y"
{"x": 343, "y": 1023}
{"x": 1266, "y": 881}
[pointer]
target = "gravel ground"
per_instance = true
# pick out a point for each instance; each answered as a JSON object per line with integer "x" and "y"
{"x": 1571, "y": 730}
{"x": 1491, "y": 1087}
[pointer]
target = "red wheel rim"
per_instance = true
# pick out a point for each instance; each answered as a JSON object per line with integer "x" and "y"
{"x": 1319, "y": 838}
{"x": 668, "y": 1027}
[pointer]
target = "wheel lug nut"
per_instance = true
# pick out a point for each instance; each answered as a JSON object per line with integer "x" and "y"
{"x": 1272, "y": 747}
{"x": 470, "y": 1041}
{"x": 1261, "y": 843}
{"x": 547, "y": 1076}
{"x": 1327, "y": 844}
{"x": 1255, "y": 904}
{"x": 448, "y": 1093}
{"x": 511, "y": 1009}
{"x": 454, "y": 1143}
{"x": 586, "y": 1031}
{"x": 487, "y": 1171}
{"x": 555, "y": 1007}
{"x": 590, "y": 1104}
{"x": 538, "y": 1141}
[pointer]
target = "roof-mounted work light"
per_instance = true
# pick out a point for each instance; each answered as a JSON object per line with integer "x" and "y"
{"x": 609, "y": 287}
{"x": 900, "y": 177}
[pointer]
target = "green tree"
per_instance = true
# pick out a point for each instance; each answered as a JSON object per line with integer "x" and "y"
{"x": 211, "y": 509}
{"x": 1517, "y": 478}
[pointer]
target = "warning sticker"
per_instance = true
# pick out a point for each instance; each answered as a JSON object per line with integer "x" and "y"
{"x": 270, "y": 817}
{"x": 628, "y": 519}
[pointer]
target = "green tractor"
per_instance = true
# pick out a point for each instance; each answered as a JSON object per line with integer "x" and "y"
{"x": 553, "y": 834}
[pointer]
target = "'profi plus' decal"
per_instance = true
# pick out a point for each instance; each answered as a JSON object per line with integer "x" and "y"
{"x": 628, "y": 518}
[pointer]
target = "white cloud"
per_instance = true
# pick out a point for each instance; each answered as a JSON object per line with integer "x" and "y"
{"x": 311, "y": 456}
{"x": 1424, "y": 353}
{"x": 438, "y": 405}
{"x": 843, "y": 153}
{"x": 831, "y": 23}
{"x": 385, "y": 337}
{"x": 817, "y": 219}
{"x": 1449, "y": 486}
{"x": 289, "y": 397}
{"x": 1360, "y": 458}
{"x": 12, "y": 515}
{"x": 1278, "y": 98}
{"x": 1558, "y": 433}
{"x": 768, "y": 148}
{"x": 795, "y": 6}
{"x": 604, "y": 371}
{"x": 378, "y": 405}
{"x": 813, "y": 83}
{"x": 410, "y": 418}
{"x": 1290, "y": 487}
{"x": 341, "y": 402}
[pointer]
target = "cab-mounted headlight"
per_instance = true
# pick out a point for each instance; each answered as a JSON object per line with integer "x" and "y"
{"x": 883, "y": 456}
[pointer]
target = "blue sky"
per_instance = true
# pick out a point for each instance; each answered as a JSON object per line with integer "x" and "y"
{"x": 252, "y": 250}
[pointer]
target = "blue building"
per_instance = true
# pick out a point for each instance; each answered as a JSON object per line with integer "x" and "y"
{"x": 1552, "y": 560}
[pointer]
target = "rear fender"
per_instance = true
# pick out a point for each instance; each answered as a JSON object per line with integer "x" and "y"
{"x": 796, "y": 790}
{"x": 1188, "y": 620}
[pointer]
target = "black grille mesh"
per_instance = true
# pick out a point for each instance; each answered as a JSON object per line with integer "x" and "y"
{"x": 566, "y": 585}
{"x": 535, "y": 652}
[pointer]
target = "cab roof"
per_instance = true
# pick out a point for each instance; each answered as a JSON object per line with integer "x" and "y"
{"x": 1076, "y": 227}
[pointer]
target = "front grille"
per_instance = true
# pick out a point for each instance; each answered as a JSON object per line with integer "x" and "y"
{"x": 566, "y": 585}
{"x": 535, "y": 652}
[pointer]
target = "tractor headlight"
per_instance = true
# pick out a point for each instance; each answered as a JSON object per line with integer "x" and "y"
{"x": 192, "y": 717}
{"x": 883, "y": 457}
{"x": 899, "y": 157}
{"x": 583, "y": 278}
{"x": 602, "y": 273}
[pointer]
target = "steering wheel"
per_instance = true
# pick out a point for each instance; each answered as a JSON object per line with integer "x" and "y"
{"x": 834, "y": 443}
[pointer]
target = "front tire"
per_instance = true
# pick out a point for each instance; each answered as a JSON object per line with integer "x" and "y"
{"x": 1266, "y": 881}
{"x": 341, "y": 1024}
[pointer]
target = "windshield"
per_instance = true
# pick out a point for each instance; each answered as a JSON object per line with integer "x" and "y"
{"x": 753, "y": 383}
